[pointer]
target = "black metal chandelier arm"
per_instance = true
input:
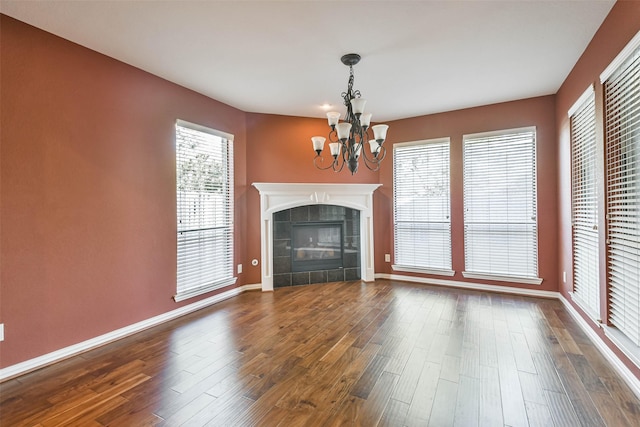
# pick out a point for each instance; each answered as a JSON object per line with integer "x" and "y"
{"x": 373, "y": 162}
{"x": 333, "y": 136}
{"x": 372, "y": 166}
{"x": 337, "y": 161}
{"x": 329, "y": 166}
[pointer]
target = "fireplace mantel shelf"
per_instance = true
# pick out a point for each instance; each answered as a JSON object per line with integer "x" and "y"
{"x": 275, "y": 197}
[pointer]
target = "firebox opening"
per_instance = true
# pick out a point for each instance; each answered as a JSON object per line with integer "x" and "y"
{"x": 317, "y": 246}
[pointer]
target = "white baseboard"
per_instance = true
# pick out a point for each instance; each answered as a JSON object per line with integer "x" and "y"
{"x": 621, "y": 368}
{"x": 64, "y": 353}
{"x": 632, "y": 381}
{"x": 472, "y": 286}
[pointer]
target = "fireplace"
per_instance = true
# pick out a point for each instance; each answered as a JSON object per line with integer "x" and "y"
{"x": 276, "y": 198}
{"x": 316, "y": 246}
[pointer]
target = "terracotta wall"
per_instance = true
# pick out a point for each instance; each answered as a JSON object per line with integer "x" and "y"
{"x": 537, "y": 112}
{"x": 88, "y": 201}
{"x": 621, "y": 25}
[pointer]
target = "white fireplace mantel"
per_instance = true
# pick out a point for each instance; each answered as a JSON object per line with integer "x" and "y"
{"x": 275, "y": 197}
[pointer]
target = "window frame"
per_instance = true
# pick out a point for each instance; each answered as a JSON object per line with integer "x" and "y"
{"x": 617, "y": 171}
{"x": 187, "y": 262}
{"x": 439, "y": 147}
{"x": 585, "y": 238}
{"x": 495, "y": 137}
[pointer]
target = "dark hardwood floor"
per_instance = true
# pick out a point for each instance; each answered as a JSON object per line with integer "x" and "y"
{"x": 346, "y": 353}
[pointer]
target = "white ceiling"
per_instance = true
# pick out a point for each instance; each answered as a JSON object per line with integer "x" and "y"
{"x": 283, "y": 57}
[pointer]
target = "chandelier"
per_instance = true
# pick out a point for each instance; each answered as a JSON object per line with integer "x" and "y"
{"x": 347, "y": 138}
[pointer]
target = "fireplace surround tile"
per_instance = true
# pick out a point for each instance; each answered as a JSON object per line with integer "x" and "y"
{"x": 282, "y": 265}
{"x": 281, "y": 280}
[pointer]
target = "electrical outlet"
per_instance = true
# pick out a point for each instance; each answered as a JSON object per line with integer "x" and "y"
{"x": 564, "y": 277}
{"x": 1, "y": 331}
{"x": 239, "y": 268}
{"x": 387, "y": 257}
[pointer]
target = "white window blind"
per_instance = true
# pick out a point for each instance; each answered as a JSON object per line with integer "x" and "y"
{"x": 422, "y": 225}
{"x": 584, "y": 204}
{"x": 204, "y": 182}
{"x": 622, "y": 136}
{"x": 500, "y": 213}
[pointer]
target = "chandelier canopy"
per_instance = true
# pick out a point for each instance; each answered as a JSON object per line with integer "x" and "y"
{"x": 347, "y": 137}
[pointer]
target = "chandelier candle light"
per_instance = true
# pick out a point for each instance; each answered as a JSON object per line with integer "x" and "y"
{"x": 347, "y": 137}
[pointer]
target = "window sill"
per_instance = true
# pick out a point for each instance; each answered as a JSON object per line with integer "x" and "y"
{"x": 621, "y": 341}
{"x": 435, "y": 271}
{"x": 499, "y": 278}
{"x": 191, "y": 293}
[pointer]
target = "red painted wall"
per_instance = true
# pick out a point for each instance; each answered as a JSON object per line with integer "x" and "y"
{"x": 88, "y": 201}
{"x": 537, "y": 112}
{"x": 620, "y": 26}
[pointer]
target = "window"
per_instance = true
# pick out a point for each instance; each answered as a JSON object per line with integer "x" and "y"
{"x": 584, "y": 204}
{"x": 422, "y": 228}
{"x": 500, "y": 214}
{"x": 204, "y": 192}
{"x": 622, "y": 141}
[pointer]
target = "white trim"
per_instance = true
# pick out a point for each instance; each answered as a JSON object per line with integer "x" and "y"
{"x": 621, "y": 368}
{"x": 581, "y": 99}
{"x": 498, "y": 133}
{"x": 64, "y": 353}
{"x": 191, "y": 293}
{"x": 278, "y": 196}
{"x": 622, "y": 56}
{"x": 499, "y": 278}
{"x": 409, "y": 269}
{"x": 200, "y": 128}
{"x": 469, "y": 285}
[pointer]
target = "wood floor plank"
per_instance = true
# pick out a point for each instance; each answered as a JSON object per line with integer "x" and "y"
{"x": 562, "y": 411}
{"x": 444, "y": 404}
{"x": 609, "y": 412}
{"x": 394, "y": 413}
{"x": 369, "y": 377}
{"x": 513, "y": 409}
{"x": 623, "y": 398}
{"x": 490, "y": 412}
{"x": 405, "y": 390}
{"x": 522, "y": 353}
{"x": 189, "y": 410}
{"x": 385, "y": 353}
{"x": 376, "y": 401}
{"x": 425, "y": 393}
{"x": 532, "y": 390}
{"x": 538, "y": 414}
{"x": 467, "y": 409}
